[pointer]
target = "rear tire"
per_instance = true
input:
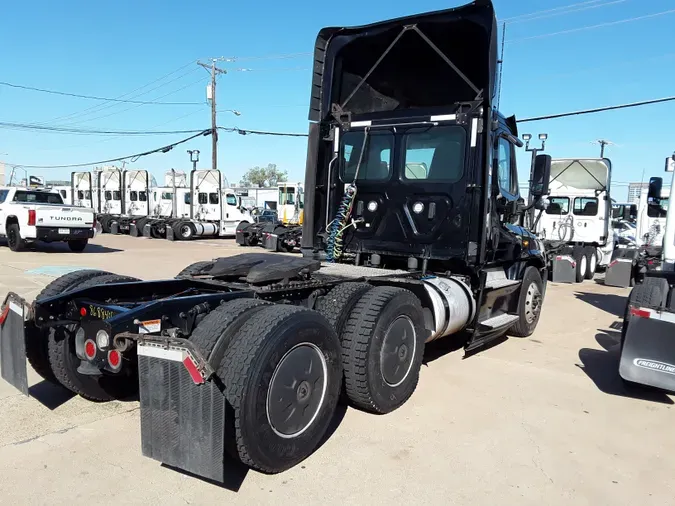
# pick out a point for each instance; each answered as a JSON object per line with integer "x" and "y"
{"x": 337, "y": 304}
{"x": 582, "y": 264}
{"x": 184, "y": 230}
{"x": 530, "y": 302}
{"x": 274, "y": 427}
{"x": 591, "y": 262}
{"x": 382, "y": 349}
{"x": 78, "y": 245}
{"x": 64, "y": 361}
{"x": 652, "y": 292}
{"x": 37, "y": 341}
{"x": 14, "y": 240}
{"x": 214, "y": 333}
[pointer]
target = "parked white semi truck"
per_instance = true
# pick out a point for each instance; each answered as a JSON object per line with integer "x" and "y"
{"x": 577, "y": 224}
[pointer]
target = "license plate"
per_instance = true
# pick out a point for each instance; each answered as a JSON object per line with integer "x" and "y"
{"x": 64, "y": 231}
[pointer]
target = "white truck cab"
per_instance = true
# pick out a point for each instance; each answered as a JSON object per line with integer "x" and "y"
{"x": 30, "y": 214}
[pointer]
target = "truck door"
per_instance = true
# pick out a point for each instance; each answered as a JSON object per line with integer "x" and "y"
{"x": 206, "y": 194}
{"x": 81, "y": 189}
{"x": 3, "y": 214}
{"x": 111, "y": 191}
{"x": 136, "y": 189}
{"x": 588, "y": 222}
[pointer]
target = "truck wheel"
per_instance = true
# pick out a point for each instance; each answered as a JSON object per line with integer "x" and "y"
{"x": 64, "y": 361}
{"x": 582, "y": 264}
{"x": 529, "y": 304}
{"x": 214, "y": 333}
{"x": 14, "y": 240}
{"x": 652, "y": 292}
{"x": 78, "y": 245}
{"x": 184, "y": 230}
{"x": 37, "y": 340}
{"x": 382, "y": 349}
{"x": 283, "y": 375}
{"x": 193, "y": 269}
{"x": 337, "y": 304}
{"x": 591, "y": 262}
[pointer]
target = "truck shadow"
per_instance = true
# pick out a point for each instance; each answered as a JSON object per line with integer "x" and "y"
{"x": 50, "y": 395}
{"x": 235, "y": 473}
{"x": 602, "y": 367}
{"x": 58, "y": 247}
{"x": 608, "y": 302}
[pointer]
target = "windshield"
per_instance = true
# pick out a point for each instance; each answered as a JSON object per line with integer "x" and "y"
{"x": 433, "y": 154}
{"x": 37, "y": 197}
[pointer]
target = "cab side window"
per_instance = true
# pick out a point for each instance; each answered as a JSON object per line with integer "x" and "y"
{"x": 506, "y": 169}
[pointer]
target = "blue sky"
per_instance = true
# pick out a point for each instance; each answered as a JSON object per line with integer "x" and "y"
{"x": 109, "y": 49}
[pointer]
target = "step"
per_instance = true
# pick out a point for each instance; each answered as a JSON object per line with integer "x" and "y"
{"x": 493, "y": 284}
{"x": 499, "y": 321}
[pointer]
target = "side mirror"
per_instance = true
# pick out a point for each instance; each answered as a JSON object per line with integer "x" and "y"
{"x": 541, "y": 175}
{"x": 655, "y": 185}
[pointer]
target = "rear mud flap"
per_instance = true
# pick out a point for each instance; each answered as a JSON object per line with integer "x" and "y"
{"x": 115, "y": 228}
{"x": 169, "y": 233}
{"x": 619, "y": 273}
{"x": 648, "y": 353}
{"x": 271, "y": 242}
{"x": 13, "y": 343}
{"x": 147, "y": 231}
{"x": 563, "y": 269}
{"x": 133, "y": 230}
{"x": 182, "y": 422}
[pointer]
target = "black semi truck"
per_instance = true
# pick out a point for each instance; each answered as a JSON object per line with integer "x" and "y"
{"x": 412, "y": 232}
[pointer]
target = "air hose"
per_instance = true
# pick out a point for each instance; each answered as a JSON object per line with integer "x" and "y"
{"x": 337, "y": 227}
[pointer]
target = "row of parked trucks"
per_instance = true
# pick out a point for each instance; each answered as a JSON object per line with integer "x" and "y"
{"x": 414, "y": 230}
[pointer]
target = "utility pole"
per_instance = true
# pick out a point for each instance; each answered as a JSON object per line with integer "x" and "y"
{"x": 212, "y": 92}
{"x": 603, "y": 143}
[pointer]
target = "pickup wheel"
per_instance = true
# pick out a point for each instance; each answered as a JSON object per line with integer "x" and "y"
{"x": 14, "y": 240}
{"x": 529, "y": 303}
{"x": 283, "y": 375}
{"x": 37, "y": 340}
{"x": 65, "y": 362}
{"x": 78, "y": 245}
{"x": 382, "y": 349}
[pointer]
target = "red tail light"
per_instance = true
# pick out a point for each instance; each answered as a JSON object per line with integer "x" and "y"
{"x": 114, "y": 359}
{"x": 90, "y": 349}
{"x": 31, "y": 217}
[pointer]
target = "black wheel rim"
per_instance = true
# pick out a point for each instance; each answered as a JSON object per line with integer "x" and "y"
{"x": 398, "y": 351}
{"x": 297, "y": 390}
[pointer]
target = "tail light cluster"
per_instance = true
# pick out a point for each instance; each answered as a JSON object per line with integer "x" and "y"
{"x": 31, "y": 217}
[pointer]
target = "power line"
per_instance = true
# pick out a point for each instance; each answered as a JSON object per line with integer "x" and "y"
{"x": 599, "y": 109}
{"x": 592, "y": 27}
{"x": 133, "y": 158}
{"x": 86, "y": 131}
{"x": 91, "y": 97}
{"x": 242, "y": 131}
{"x": 269, "y": 57}
{"x": 550, "y": 13}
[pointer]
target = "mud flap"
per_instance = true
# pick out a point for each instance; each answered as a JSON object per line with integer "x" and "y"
{"x": 271, "y": 242}
{"x": 133, "y": 230}
{"x": 115, "y": 228}
{"x": 147, "y": 231}
{"x": 619, "y": 273}
{"x": 182, "y": 415}
{"x": 13, "y": 343}
{"x": 563, "y": 269}
{"x": 169, "y": 233}
{"x": 648, "y": 353}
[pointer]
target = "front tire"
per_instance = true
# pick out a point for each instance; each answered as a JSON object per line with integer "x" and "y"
{"x": 283, "y": 377}
{"x": 582, "y": 264}
{"x": 529, "y": 304}
{"x": 382, "y": 349}
{"x": 591, "y": 255}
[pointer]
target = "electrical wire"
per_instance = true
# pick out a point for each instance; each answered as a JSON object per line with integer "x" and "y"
{"x": 592, "y": 27}
{"x": 133, "y": 158}
{"x": 598, "y": 109}
{"x": 546, "y": 14}
{"x": 242, "y": 131}
{"x": 91, "y": 97}
{"x": 82, "y": 131}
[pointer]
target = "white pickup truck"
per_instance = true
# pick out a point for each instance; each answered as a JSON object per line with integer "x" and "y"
{"x": 28, "y": 214}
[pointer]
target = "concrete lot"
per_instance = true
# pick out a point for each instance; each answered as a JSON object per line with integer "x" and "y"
{"x": 543, "y": 420}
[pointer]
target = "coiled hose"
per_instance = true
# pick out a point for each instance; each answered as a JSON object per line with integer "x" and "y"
{"x": 336, "y": 229}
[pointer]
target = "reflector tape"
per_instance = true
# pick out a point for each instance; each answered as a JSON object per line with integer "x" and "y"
{"x": 640, "y": 313}
{"x": 3, "y": 315}
{"x": 361, "y": 123}
{"x": 474, "y": 132}
{"x": 192, "y": 369}
{"x": 167, "y": 354}
{"x": 644, "y": 312}
{"x": 444, "y": 117}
